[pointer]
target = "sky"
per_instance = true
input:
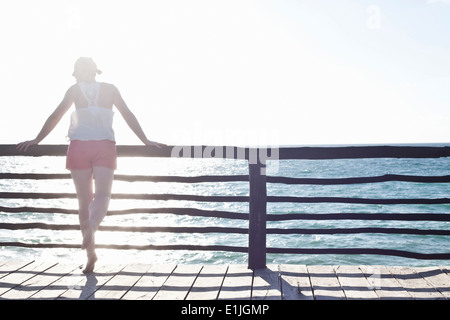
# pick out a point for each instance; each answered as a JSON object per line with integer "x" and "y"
{"x": 236, "y": 72}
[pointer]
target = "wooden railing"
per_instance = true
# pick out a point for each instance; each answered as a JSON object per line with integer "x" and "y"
{"x": 257, "y": 199}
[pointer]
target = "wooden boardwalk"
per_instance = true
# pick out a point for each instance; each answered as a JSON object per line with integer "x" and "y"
{"x": 51, "y": 280}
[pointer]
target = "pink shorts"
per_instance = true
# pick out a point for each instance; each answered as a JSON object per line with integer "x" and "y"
{"x": 92, "y": 153}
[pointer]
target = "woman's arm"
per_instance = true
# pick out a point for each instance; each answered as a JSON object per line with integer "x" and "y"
{"x": 51, "y": 122}
{"x": 131, "y": 120}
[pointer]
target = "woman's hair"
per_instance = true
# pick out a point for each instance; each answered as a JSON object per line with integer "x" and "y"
{"x": 86, "y": 66}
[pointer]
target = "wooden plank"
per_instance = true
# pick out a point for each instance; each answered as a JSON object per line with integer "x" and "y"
{"x": 237, "y": 284}
{"x": 416, "y": 286}
{"x": 208, "y": 283}
{"x": 58, "y": 287}
{"x": 17, "y": 277}
{"x": 354, "y": 283}
{"x": 266, "y": 284}
{"x": 12, "y": 266}
{"x": 119, "y": 285}
{"x": 150, "y": 283}
{"x": 85, "y": 286}
{"x": 179, "y": 283}
{"x": 438, "y": 278}
{"x": 32, "y": 286}
{"x": 295, "y": 284}
{"x": 324, "y": 283}
{"x": 386, "y": 286}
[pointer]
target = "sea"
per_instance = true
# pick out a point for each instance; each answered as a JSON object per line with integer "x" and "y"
{"x": 343, "y": 168}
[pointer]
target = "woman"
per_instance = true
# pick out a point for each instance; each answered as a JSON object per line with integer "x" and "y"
{"x": 91, "y": 156}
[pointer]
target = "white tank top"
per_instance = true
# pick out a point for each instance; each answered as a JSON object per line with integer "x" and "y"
{"x": 93, "y": 122}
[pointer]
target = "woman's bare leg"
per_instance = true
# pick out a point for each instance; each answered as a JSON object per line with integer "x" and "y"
{"x": 103, "y": 178}
{"x": 84, "y": 188}
{"x": 92, "y": 207}
{"x": 83, "y": 180}
{"x": 98, "y": 208}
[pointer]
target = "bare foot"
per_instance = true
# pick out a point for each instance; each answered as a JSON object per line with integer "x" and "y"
{"x": 90, "y": 264}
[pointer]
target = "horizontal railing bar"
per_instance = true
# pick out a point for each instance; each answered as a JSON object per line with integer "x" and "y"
{"x": 37, "y": 210}
{"x": 149, "y": 229}
{"x": 230, "y": 152}
{"x": 127, "y": 247}
{"x": 127, "y": 196}
{"x": 360, "y": 152}
{"x": 240, "y": 178}
{"x": 352, "y": 251}
{"x": 181, "y": 179}
{"x": 38, "y": 225}
{"x": 34, "y": 176}
{"x": 61, "y": 150}
{"x": 355, "y": 200}
{"x": 220, "y": 152}
{"x": 197, "y": 198}
{"x": 130, "y": 178}
{"x": 183, "y": 211}
{"x": 244, "y": 216}
{"x": 361, "y": 216}
{"x": 359, "y": 251}
{"x": 177, "y": 211}
{"x": 358, "y": 180}
{"x": 360, "y": 230}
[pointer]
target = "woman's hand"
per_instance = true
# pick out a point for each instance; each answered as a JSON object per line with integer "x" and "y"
{"x": 23, "y": 146}
{"x": 154, "y": 144}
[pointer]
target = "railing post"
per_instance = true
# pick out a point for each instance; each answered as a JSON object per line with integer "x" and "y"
{"x": 257, "y": 219}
